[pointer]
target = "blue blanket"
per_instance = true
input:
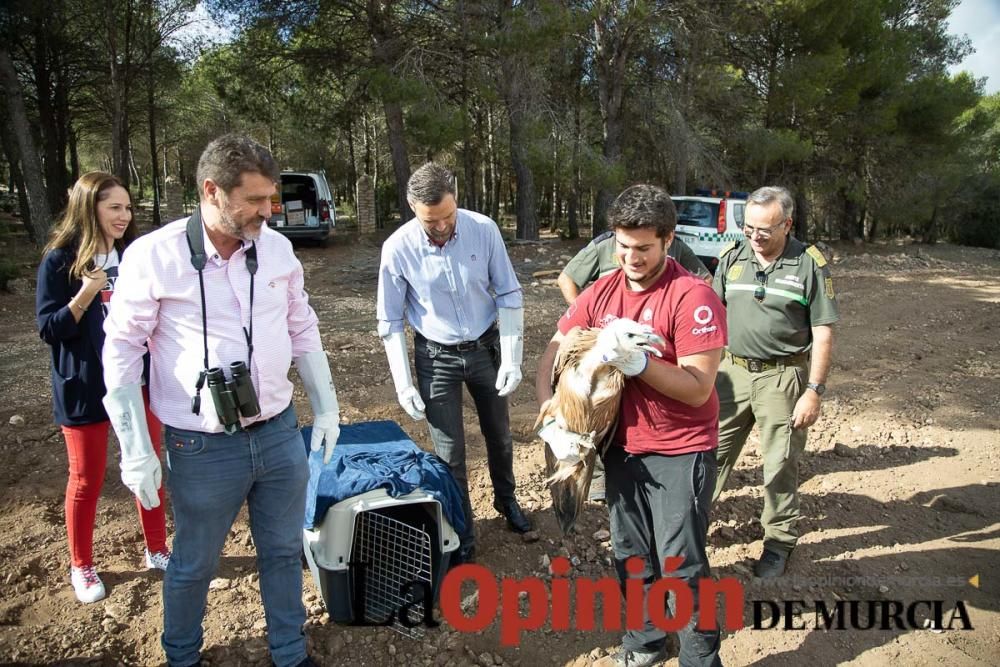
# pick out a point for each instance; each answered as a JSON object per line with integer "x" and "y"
{"x": 377, "y": 455}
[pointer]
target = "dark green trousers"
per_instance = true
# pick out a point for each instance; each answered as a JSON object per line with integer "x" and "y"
{"x": 766, "y": 399}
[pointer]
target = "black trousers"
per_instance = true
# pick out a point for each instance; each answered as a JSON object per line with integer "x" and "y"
{"x": 659, "y": 507}
{"x": 441, "y": 373}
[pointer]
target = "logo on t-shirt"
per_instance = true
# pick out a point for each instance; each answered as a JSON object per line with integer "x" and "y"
{"x": 606, "y": 320}
{"x": 647, "y": 315}
{"x": 108, "y": 289}
{"x": 703, "y": 315}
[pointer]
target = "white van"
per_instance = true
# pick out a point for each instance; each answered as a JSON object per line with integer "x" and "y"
{"x": 303, "y": 206}
{"x": 709, "y": 221}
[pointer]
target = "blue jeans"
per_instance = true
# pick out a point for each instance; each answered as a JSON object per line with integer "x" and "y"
{"x": 441, "y": 372}
{"x": 211, "y": 475}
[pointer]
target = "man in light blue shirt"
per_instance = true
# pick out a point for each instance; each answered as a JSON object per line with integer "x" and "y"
{"x": 447, "y": 273}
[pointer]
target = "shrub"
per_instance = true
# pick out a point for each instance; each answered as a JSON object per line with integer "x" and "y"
{"x": 8, "y": 271}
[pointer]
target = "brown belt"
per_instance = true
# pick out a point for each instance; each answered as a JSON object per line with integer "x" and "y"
{"x": 761, "y": 365}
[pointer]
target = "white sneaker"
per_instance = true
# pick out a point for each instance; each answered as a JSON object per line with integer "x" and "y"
{"x": 157, "y": 560}
{"x": 87, "y": 585}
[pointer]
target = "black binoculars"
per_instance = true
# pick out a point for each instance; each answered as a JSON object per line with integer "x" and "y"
{"x": 233, "y": 398}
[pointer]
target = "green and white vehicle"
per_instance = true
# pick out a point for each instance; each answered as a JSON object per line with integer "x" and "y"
{"x": 709, "y": 221}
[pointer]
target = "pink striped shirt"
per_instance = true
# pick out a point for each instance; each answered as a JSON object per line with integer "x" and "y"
{"x": 156, "y": 299}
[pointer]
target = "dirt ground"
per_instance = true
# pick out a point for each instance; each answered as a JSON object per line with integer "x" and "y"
{"x": 900, "y": 487}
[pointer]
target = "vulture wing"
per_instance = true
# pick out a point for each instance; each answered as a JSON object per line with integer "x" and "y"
{"x": 586, "y": 400}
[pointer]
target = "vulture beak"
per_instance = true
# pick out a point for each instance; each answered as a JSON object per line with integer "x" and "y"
{"x": 645, "y": 341}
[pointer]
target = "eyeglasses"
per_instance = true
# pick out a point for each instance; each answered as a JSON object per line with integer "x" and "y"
{"x": 762, "y": 232}
{"x": 761, "y": 290}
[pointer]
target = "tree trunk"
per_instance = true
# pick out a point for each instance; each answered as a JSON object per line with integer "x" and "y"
{"x": 873, "y": 228}
{"x": 681, "y": 158}
{"x": 526, "y": 198}
{"x": 801, "y": 225}
{"x": 16, "y": 177}
{"x": 63, "y": 128}
{"x": 518, "y": 103}
{"x": 848, "y": 216}
{"x": 469, "y": 192}
{"x": 614, "y": 132}
{"x": 495, "y": 177}
{"x": 611, "y": 60}
{"x": 134, "y": 171}
{"x": 74, "y": 155}
{"x": 182, "y": 181}
{"x": 119, "y": 164}
{"x": 557, "y": 195}
{"x": 352, "y": 169}
{"x": 153, "y": 163}
{"x": 119, "y": 128}
{"x": 486, "y": 130}
{"x": 54, "y": 169}
{"x": 119, "y": 65}
{"x": 400, "y": 157}
{"x": 39, "y": 213}
{"x": 572, "y": 215}
{"x": 367, "y": 144}
{"x": 22, "y": 202}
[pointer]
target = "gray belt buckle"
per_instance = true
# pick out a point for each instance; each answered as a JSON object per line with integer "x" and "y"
{"x": 755, "y": 365}
{"x": 467, "y": 345}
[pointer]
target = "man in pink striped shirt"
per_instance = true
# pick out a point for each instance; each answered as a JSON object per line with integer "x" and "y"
{"x": 243, "y": 302}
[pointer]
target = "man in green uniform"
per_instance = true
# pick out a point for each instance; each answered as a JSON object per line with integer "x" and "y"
{"x": 780, "y": 308}
{"x": 596, "y": 260}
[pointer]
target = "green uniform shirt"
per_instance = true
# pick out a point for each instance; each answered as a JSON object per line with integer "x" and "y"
{"x": 597, "y": 259}
{"x": 798, "y": 295}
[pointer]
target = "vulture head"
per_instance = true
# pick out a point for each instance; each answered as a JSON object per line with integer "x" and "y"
{"x": 623, "y": 337}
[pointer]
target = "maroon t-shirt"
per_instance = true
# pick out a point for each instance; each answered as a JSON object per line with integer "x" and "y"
{"x": 690, "y": 317}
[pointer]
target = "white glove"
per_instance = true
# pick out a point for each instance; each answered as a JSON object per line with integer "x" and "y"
{"x": 140, "y": 466}
{"x": 631, "y": 363}
{"x": 511, "y": 350}
{"x": 411, "y": 402}
{"x": 399, "y": 367}
{"x": 314, "y": 369}
{"x": 565, "y": 445}
{"x": 616, "y": 344}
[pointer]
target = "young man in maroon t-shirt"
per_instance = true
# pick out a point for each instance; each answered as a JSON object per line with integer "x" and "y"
{"x": 661, "y": 465}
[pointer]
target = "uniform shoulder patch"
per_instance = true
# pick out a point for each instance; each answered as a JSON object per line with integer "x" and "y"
{"x": 817, "y": 255}
{"x": 602, "y": 237}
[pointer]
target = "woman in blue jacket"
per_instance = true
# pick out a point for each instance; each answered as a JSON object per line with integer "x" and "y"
{"x": 75, "y": 280}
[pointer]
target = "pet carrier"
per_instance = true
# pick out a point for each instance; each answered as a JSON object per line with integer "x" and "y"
{"x": 379, "y": 535}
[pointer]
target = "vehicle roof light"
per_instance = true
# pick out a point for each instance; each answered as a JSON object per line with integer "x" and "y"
{"x": 726, "y": 194}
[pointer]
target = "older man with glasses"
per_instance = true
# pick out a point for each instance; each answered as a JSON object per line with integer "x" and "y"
{"x": 780, "y": 307}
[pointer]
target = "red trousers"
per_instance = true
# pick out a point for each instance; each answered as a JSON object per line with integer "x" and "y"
{"x": 87, "y": 450}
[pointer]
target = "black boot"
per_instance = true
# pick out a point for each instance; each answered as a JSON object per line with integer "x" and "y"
{"x": 516, "y": 519}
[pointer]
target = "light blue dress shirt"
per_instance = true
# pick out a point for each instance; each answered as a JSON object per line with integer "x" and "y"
{"x": 451, "y": 293}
